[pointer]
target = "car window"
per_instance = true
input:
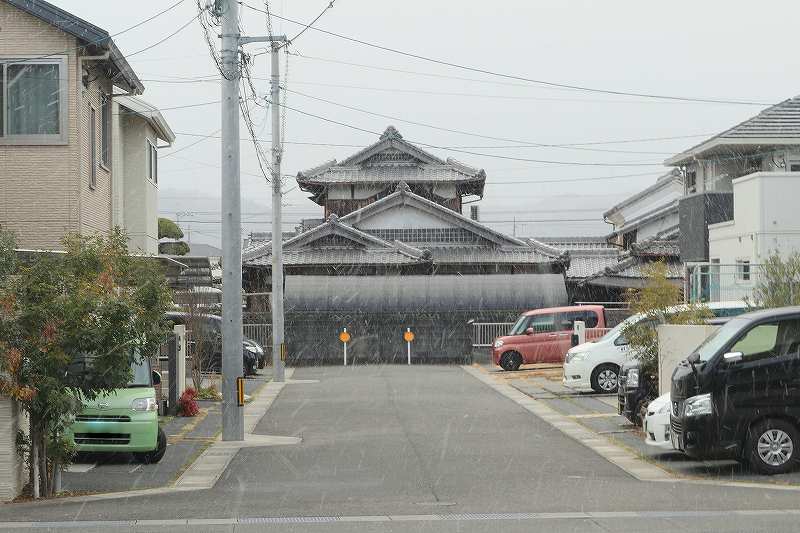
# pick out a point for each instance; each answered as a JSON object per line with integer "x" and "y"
{"x": 587, "y": 316}
{"x": 543, "y": 323}
{"x": 759, "y": 342}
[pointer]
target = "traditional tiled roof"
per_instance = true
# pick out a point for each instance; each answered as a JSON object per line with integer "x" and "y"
{"x": 584, "y": 263}
{"x": 578, "y": 243}
{"x": 657, "y": 248}
{"x": 631, "y": 266}
{"x": 391, "y": 174}
{"x": 778, "y": 124}
{"x": 340, "y": 256}
{"x": 487, "y": 254}
{"x": 390, "y": 160}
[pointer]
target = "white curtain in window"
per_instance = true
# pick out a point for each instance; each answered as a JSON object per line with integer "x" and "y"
{"x": 33, "y": 99}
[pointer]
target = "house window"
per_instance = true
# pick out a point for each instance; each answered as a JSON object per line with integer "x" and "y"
{"x": 152, "y": 162}
{"x": 93, "y": 142}
{"x": 691, "y": 182}
{"x": 628, "y": 239}
{"x": 743, "y": 270}
{"x": 105, "y": 139}
{"x": 32, "y": 100}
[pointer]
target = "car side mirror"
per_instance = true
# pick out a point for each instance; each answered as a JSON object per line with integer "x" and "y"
{"x": 530, "y": 331}
{"x": 621, "y": 341}
{"x": 733, "y": 357}
{"x": 156, "y": 378}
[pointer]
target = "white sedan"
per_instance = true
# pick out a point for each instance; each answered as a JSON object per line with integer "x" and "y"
{"x": 656, "y": 423}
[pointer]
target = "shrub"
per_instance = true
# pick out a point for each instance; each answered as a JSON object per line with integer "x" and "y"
{"x": 187, "y": 404}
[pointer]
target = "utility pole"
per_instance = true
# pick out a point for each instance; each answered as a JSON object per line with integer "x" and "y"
{"x": 278, "y": 349}
{"x": 232, "y": 412}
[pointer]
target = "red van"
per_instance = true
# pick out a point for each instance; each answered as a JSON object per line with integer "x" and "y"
{"x": 544, "y": 335}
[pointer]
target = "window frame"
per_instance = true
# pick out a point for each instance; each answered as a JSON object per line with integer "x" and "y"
{"x": 743, "y": 275}
{"x": 106, "y": 114}
{"x": 151, "y": 161}
{"x": 93, "y": 160}
{"x": 60, "y": 138}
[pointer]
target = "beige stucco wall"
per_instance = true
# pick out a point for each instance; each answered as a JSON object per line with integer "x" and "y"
{"x": 676, "y": 343}
{"x": 140, "y": 196}
{"x": 12, "y": 473}
{"x": 45, "y": 188}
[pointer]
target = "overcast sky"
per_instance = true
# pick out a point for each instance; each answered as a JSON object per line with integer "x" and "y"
{"x": 721, "y": 49}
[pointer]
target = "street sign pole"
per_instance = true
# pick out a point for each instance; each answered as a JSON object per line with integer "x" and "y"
{"x": 232, "y": 413}
{"x": 345, "y": 338}
{"x": 345, "y": 349}
{"x": 408, "y": 341}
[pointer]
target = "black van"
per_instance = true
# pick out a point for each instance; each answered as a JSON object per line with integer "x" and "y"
{"x": 738, "y": 395}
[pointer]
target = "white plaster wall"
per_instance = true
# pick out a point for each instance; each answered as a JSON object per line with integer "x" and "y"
{"x": 140, "y": 196}
{"x": 402, "y": 217}
{"x": 675, "y": 343}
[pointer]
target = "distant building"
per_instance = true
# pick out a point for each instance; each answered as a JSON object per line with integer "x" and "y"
{"x": 75, "y": 156}
{"x": 396, "y": 252}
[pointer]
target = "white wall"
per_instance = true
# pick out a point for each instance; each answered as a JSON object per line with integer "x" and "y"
{"x": 765, "y": 219}
{"x": 675, "y": 343}
{"x": 402, "y": 217}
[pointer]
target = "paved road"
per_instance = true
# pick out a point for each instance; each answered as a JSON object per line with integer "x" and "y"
{"x": 423, "y": 448}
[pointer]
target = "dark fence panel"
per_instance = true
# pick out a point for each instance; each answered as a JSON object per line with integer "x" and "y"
{"x": 313, "y": 338}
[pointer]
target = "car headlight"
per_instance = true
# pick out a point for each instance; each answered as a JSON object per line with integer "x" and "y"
{"x": 574, "y": 357}
{"x": 632, "y": 381}
{"x": 498, "y": 343}
{"x": 144, "y": 404}
{"x": 698, "y": 405}
{"x": 664, "y": 409}
{"x": 251, "y": 349}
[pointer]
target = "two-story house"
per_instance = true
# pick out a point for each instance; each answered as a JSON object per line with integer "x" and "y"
{"x": 767, "y": 142}
{"x": 78, "y": 151}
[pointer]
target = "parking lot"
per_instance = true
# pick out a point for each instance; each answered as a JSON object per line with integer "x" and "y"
{"x": 598, "y": 413}
{"x": 187, "y": 438}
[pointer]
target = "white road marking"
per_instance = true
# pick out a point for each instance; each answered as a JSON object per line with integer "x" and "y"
{"x": 80, "y": 468}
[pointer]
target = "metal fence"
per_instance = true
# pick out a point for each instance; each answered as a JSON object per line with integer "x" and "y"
{"x": 261, "y": 333}
{"x": 484, "y": 333}
{"x": 715, "y": 282}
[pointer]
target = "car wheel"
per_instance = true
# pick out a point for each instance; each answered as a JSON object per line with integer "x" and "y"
{"x": 510, "y": 361}
{"x": 156, "y": 455}
{"x": 772, "y": 447}
{"x": 605, "y": 378}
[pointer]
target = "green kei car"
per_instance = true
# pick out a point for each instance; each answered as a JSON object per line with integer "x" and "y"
{"x": 123, "y": 421}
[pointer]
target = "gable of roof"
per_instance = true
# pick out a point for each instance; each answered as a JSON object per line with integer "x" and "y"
{"x": 405, "y": 198}
{"x": 150, "y": 113}
{"x": 670, "y": 178}
{"x": 391, "y": 138}
{"x": 775, "y": 125}
{"x": 89, "y": 35}
{"x": 350, "y": 245}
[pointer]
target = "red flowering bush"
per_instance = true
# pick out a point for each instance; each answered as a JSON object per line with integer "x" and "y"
{"x": 187, "y": 404}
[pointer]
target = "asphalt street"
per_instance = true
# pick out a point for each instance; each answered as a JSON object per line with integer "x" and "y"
{"x": 420, "y": 448}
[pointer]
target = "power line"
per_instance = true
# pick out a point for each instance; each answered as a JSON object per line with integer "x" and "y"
{"x": 449, "y": 130}
{"x": 496, "y": 156}
{"x": 307, "y": 26}
{"x": 102, "y": 39}
{"x": 170, "y": 36}
{"x": 514, "y": 76}
{"x": 194, "y": 143}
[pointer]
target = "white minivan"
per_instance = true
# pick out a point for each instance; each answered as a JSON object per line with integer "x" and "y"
{"x": 595, "y": 365}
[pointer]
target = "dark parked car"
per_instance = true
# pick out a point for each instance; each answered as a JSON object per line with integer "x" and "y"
{"x": 738, "y": 395}
{"x": 211, "y": 329}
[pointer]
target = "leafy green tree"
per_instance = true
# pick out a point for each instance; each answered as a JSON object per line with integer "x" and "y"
{"x": 94, "y": 304}
{"x": 167, "y": 229}
{"x": 778, "y": 282}
{"x": 656, "y": 302}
